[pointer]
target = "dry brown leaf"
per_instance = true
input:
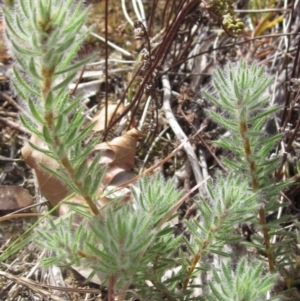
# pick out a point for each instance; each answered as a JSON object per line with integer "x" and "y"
{"x": 112, "y": 171}
{"x": 119, "y": 153}
{"x": 51, "y": 187}
{"x": 14, "y": 198}
{"x": 121, "y": 149}
{"x": 100, "y": 117}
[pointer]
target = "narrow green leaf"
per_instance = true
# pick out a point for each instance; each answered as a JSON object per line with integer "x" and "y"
{"x": 48, "y": 262}
{"x": 70, "y": 136}
{"x": 88, "y": 182}
{"x": 31, "y": 7}
{"x": 35, "y": 41}
{"x": 60, "y": 125}
{"x": 72, "y": 52}
{"x": 237, "y": 91}
{"x": 78, "y": 21}
{"x": 194, "y": 230}
{"x": 85, "y": 151}
{"x": 24, "y": 8}
{"x": 60, "y": 14}
{"x": 28, "y": 124}
{"x": 12, "y": 31}
{"x": 77, "y": 237}
{"x": 78, "y": 118}
{"x": 17, "y": 245}
{"x": 25, "y": 51}
{"x": 241, "y": 267}
{"x": 265, "y": 113}
{"x": 23, "y": 83}
{"x": 35, "y": 24}
{"x": 99, "y": 253}
{"x": 22, "y": 62}
{"x": 42, "y": 150}
{"x": 20, "y": 27}
{"x": 264, "y": 84}
{"x": 32, "y": 69}
{"x": 69, "y": 4}
{"x": 62, "y": 100}
{"x": 65, "y": 45}
{"x": 216, "y": 292}
{"x": 43, "y": 13}
{"x": 49, "y": 101}
{"x": 47, "y": 136}
{"x": 76, "y": 66}
{"x": 83, "y": 134}
{"x": 82, "y": 210}
{"x": 230, "y": 125}
{"x": 77, "y": 9}
{"x": 35, "y": 111}
{"x": 49, "y": 8}
{"x": 94, "y": 166}
{"x": 65, "y": 82}
{"x": 97, "y": 181}
{"x": 69, "y": 108}
{"x": 81, "y": 170}
{"x": 217, "y": 251}
{"x": 229, "y": 105}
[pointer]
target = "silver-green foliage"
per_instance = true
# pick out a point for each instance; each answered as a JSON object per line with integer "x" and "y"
{"x": 243, "y": 107}
{"x": 241, "y": 94}
{"x": 44, "y": 37}
{"x": 128, "y": 231}
{"x": 246, "y": 283}
{"x": 229, "y": 202}
{"x": 123, "y": 240}
{"x": 128, "y": 240}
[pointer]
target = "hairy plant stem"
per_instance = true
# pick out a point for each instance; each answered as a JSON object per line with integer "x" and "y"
{"x": 265, "y": 230}
{"x": 191, "y": 269}
{"x": 49, "y": 116}
{"x": 204, "y": 245}
{"x": 255, "y": 185}
{"x": 248, "y": 153}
